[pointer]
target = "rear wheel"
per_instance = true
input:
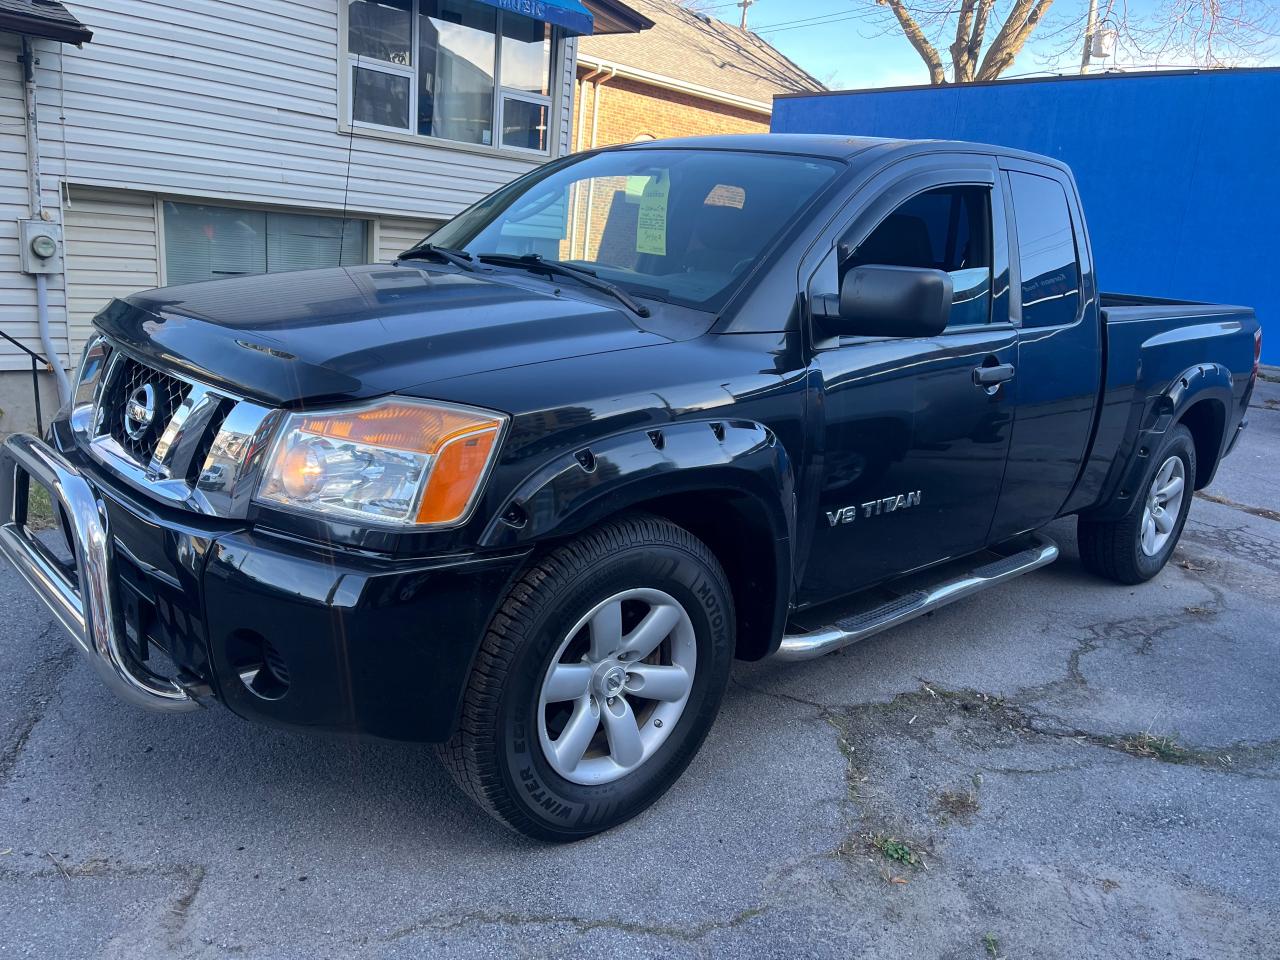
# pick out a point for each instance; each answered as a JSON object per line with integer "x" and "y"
{"x": 1137, "y": 546}
{"x": 597, "y": 680}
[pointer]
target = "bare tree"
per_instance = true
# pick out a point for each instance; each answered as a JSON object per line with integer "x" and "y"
{"x": 982, "y": 38}
{"x": 1206, "y": 33}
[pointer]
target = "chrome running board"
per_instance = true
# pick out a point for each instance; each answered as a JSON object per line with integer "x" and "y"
{"x": 916, "y": 603}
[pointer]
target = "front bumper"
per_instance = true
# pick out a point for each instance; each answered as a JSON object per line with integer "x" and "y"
{"x": 279, "y": 631}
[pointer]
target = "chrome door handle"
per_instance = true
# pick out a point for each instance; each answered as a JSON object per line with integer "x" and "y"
{"x": 993, "y": 376}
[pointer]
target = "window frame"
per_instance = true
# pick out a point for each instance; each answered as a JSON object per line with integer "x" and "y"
{"x": 358, "y": 62}
{"x": 1084, "y": 276}
{"x": 349, "y": 61}
{"x": 371, "y": 237}
{"x": 872, "y": 200}
{"x": 843, "y": 249}
{"x": 503, "y": 94}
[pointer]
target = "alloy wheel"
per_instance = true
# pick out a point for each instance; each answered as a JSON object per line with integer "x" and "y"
{"x": 1163, "y": 506}
{"x": 617, "y": 686}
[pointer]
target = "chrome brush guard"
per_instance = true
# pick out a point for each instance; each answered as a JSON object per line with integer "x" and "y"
{"x": 84, "y": 600}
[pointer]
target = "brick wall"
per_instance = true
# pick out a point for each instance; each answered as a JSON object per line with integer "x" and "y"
{"x": 630, "y": 110}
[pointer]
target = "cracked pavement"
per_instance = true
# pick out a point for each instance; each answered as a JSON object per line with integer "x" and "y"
{"x": 1069, "y": 768}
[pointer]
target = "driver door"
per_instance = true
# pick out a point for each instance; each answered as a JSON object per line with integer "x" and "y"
{"x": 913, "y": 445}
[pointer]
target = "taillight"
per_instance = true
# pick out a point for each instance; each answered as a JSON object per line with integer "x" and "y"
{"x": 1257, "y": 352}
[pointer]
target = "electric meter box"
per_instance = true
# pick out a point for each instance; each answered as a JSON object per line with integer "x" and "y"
{"x": 40, "y": 243}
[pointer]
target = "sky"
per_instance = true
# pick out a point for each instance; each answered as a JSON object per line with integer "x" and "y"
{"x": 865, "y": 48}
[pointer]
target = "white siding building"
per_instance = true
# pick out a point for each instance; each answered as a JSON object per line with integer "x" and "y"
{"x": 192, "y": 139}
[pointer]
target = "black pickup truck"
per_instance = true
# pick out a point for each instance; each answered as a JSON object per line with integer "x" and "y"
{"x": 527, "y": 492}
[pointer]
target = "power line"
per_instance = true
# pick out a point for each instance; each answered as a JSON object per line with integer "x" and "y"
{"x": 830, "y": 15}
{"x": 816, "y": 22}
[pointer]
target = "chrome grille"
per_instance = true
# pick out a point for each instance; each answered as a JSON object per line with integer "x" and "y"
{"x": 201, "y": 448}
{"x": 197, "y": 464}
{"x": 128, "y": 379}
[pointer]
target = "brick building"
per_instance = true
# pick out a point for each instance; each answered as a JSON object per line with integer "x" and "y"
{"x": 688, "y": 75}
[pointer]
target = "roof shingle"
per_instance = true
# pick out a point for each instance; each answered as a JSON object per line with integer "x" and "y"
{"x": 698, "y": 49}
{"x": 42, "y": 18}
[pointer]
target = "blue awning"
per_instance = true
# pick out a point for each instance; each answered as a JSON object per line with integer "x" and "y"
{"x": 569, "y": 15}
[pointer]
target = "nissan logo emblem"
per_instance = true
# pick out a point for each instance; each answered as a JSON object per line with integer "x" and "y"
{"x": 139, "y": 411}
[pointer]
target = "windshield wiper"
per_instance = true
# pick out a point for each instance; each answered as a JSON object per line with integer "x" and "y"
{"x": 429, "y": 251}
{"x": 537, "y": 263}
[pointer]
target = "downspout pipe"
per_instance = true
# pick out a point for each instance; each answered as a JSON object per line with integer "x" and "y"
{"x": 582, "y": 107}
{"x": 597, "y": 82}
{"x": 37, "y": 213}
{"x": 595, "y": 104}
{"x": 578, "y": 146}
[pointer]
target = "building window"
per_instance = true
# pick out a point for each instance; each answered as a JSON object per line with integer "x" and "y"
{"x": 210, "y": 242}
{"x": 453, "y": 69}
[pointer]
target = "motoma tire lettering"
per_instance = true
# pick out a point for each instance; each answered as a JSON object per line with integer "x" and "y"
{"x": 705, "y": 594}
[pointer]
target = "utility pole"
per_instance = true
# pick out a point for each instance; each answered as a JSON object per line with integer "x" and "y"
{"x": 744, "y": 4}
{"x": 1091, "y": 27}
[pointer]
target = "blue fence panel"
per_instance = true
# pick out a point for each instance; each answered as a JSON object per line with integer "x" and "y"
{"x": 1179, "y": 172}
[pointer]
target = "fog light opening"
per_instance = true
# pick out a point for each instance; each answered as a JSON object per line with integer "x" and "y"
{"x": 262, "y": 668}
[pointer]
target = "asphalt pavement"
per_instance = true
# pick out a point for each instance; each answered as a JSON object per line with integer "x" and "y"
{"x": 1058, "y": 768}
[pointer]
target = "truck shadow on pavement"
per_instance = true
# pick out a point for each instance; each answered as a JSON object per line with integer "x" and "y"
{"x": 1049, "y": 758}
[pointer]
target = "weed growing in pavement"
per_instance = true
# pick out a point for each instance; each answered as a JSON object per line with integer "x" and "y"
{"x": 1166, "y": 749}
{"x": 891, "y": 848}
{"x": 39, "y": 508}
{"x": 960, "y": 805}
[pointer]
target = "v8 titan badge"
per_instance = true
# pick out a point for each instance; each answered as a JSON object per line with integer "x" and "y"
{"x": 873, "y": 508}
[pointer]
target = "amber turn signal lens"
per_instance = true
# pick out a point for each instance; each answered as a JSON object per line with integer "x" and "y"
{"x": 455, "y": 474}
{"x": 414, "y": 427}
{"x": 395, "y": 461}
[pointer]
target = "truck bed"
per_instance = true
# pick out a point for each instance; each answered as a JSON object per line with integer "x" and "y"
{"x": 1130, "y": 306}
{"x": 1150, "y": 345}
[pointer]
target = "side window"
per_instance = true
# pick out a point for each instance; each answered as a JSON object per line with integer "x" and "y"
{"x": 946, "y": 229}
{"x": 1046, "y": 251}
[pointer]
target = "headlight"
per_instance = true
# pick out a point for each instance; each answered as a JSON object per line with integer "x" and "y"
{"x": 83, "y": 405}
{"x": 396, "y": 461}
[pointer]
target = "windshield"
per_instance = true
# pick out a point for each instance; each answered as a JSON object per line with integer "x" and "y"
{"x": 682, "y": 226}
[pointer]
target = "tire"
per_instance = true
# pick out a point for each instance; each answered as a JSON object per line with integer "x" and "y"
{"x": 507, "y": 751}
{"x": 1115, "y": 549}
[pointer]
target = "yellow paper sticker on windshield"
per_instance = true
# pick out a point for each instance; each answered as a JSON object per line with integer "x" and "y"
{"x": 651, "y": 226}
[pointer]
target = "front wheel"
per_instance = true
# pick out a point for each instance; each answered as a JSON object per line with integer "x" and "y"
{"x": 1136, "y": 547}
{"x": 597, "y": 680}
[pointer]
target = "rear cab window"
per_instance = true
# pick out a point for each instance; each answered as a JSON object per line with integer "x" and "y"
{"x": 1047, "y": 251}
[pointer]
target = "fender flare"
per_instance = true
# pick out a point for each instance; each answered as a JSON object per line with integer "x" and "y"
{"x": 1203, "y": 381}
{"x": 578, "y": 489}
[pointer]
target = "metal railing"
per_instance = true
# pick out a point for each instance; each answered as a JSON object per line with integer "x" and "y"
{"x": 35, "y": 377}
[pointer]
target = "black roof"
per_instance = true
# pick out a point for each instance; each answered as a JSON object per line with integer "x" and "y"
{"x": 835, "y": 146}
{"x": 47, "y": 19}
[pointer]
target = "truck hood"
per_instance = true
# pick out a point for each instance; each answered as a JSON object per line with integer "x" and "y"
{"x": 357, "y": 332}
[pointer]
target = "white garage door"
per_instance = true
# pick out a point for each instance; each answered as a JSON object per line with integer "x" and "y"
{"x": 113, "y": 250}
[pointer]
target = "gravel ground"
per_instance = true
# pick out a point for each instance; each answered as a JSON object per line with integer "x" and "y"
{"x": 1059, "y": 768}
